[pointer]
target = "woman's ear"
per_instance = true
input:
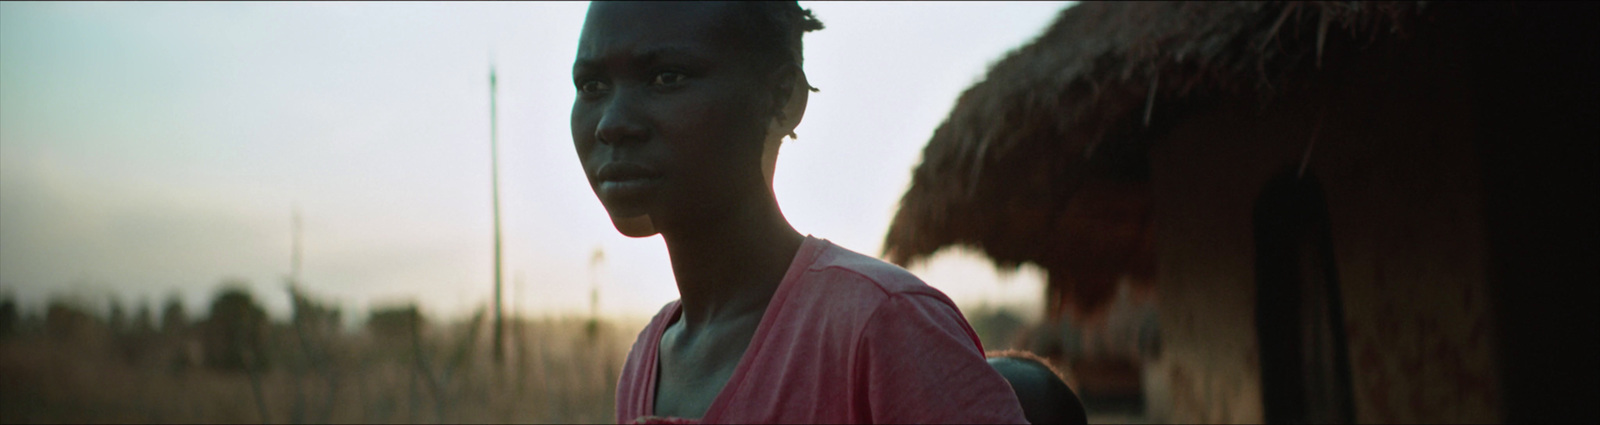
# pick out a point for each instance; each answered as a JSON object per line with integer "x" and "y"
{"x": 793, "y": 91}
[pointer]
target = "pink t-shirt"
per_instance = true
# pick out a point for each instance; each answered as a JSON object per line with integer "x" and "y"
{"x": 846, "y": 339}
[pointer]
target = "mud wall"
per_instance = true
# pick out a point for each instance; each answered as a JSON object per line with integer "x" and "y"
{"x": 1391, "y": 138}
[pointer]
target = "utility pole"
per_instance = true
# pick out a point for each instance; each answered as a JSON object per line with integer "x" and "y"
{"x": 494, "y": 187}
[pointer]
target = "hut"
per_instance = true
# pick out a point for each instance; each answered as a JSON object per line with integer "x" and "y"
{"x": 1346, "y": 211}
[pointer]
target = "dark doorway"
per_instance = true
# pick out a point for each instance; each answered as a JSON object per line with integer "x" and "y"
{"x": 1305, "y": 374}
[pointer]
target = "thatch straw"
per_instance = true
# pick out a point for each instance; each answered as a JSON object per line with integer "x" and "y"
{"x": 1000, "y": 171}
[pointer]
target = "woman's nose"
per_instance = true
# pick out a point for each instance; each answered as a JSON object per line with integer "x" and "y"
{"x": 621, "y": 122}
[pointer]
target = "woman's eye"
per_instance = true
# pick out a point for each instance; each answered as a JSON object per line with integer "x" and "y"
{"x": 592, "y": 86}
{"x": 667, "y": 78}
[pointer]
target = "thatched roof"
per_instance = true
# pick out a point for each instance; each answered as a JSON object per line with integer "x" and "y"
{"x": 1069, "y": 110}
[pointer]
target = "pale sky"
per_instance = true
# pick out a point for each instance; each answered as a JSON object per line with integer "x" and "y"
{"x": 148, "y": 149}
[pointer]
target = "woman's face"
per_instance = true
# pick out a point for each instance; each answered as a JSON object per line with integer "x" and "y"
{"x": 670, "y": 115}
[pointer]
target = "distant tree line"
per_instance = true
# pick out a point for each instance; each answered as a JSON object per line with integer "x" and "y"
{"x": 234, "y": 334}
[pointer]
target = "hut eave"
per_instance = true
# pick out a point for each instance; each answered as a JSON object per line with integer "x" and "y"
{"x": 1001, "y": 171}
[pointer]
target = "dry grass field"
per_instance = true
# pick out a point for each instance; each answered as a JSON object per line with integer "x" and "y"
{"x": 235, "y": 365}
{"x": 555, "y": 370}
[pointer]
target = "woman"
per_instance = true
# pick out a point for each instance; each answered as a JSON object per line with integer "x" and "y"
{"x": 678, "y": 117}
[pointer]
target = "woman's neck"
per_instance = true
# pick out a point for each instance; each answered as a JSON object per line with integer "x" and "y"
{"x": 728, "y": 270}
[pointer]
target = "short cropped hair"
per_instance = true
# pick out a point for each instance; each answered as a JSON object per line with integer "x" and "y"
{"x": 774, "y": 30}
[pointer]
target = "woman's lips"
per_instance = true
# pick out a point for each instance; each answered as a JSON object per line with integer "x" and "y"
{"x": 626, "y": 188}
{"x": 620, "y": 181}
{"x": 625, "y": 171}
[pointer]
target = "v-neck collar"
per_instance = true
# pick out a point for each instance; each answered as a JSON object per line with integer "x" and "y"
{"x": 803, "y": 258}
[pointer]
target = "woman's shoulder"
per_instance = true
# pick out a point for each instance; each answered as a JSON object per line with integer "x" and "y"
{"x": 846, "y": 289}
{"x": 864, "y": 272}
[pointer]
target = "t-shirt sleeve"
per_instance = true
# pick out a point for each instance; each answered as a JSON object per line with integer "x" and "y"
{"x": 632, "y": 382}
{"x": 634, "y": 391}
{"x": 922, "y": 363}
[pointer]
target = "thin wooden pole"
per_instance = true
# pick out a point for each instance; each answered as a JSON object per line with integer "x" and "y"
{"x": 494, "y": 186}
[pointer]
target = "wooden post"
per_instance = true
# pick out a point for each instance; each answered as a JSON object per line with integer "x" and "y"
{"x": 494, "y": 187}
